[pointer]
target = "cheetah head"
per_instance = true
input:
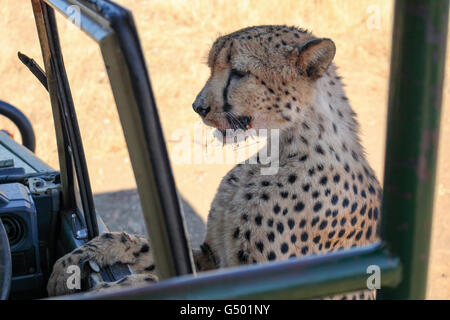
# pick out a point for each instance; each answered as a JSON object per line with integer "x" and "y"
{"x": 262, "y": 78}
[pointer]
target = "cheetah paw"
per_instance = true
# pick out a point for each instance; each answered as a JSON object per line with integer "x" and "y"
{"x": 104, "y": 250}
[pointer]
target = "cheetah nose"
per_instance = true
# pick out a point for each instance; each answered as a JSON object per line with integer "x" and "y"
{"x": 201, "y": 110}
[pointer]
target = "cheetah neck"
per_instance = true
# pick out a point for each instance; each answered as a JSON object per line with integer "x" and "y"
{"x": 329, "y": 133}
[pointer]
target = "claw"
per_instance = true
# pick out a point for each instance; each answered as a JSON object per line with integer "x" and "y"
{"x": 94, "y": 266}
{"x": 94, "y": 280}
{"x": 126, "y": 235}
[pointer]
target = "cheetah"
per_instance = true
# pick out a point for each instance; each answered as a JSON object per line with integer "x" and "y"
{"x": 324, "y": 196}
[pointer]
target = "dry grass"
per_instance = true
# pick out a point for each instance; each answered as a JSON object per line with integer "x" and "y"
{"x": 176, "y": 36}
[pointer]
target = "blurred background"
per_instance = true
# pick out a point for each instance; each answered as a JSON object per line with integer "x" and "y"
{"x": 176, "y": 36}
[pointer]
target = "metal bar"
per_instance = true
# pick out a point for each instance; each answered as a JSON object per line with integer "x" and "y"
{"x": 416, "y": 83}
{"x": 71, "y": 126}
{"x": 302, "y": 278}
{"x": 85, "y": 17}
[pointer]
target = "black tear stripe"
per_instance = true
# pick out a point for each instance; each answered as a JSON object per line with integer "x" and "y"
{"x": 236, "y": 122}
{"x": 226, "y": 106}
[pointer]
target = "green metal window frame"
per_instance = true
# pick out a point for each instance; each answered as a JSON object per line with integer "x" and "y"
{"x": 415, "y": 98}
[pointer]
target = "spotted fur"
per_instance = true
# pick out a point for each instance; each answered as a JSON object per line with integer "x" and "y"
{"x": 105, "y": 250}
{"x": 325, "y": 196}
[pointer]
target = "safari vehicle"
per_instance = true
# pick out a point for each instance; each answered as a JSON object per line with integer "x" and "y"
{"x": 48, "y": 213}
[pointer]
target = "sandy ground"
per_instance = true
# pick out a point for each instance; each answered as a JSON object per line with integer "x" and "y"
{"x": 176, "y": 36}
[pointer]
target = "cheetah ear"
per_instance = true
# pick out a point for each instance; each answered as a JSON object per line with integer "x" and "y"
{"x": 314, "y": 57}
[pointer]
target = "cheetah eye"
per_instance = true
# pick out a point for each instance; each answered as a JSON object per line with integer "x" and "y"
{"x": 238, "y": 73}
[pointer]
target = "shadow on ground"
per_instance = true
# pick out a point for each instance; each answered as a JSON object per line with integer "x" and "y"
{"x": 121, "y": 211}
